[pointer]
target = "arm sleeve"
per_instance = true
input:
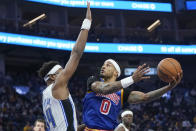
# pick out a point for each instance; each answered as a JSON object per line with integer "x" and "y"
{"x": 90, "y": 81}
{"x": 126, "y": 93}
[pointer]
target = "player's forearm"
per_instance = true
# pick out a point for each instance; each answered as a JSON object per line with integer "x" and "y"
{"x": 78, "y": 48}
{"x": 107, "y": 88}
{"x": 157, "y": 93}
{"x": 82, "y": 37}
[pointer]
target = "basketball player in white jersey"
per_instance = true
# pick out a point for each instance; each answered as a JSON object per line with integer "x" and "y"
{"x": 58, "y": 106}
{"x": 127, "y": 119}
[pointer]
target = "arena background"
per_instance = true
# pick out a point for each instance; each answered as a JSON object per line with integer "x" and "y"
{"x": 20, "y": 86}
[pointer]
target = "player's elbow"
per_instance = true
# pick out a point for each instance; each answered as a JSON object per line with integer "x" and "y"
{"x": 105, "y": 92}
{"x": 142, "y": 99}
{"x": 145, "y": 98}
{"x": 96, "y": 87}
{"x": 77, "y": 52}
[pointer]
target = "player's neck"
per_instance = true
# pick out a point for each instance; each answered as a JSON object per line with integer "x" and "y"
{"x": 128, "y": 126}
{"x": 107, "y": 80}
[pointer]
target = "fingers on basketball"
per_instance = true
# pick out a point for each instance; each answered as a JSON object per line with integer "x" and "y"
{"x": 145, "y": 70}
{"x": 145, "y": 77}
{"x": 168, "y": 70}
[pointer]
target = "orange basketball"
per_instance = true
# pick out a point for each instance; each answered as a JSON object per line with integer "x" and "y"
{"x": 168, "y": 68}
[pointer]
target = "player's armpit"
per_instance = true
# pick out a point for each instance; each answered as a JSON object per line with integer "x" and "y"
{"x": 137, "y": 97}
{"x": 119, "y": 128}
{"x": 106, "y": 88}
{"x": 90, "y": 81}
{"x": 60, "y": 93}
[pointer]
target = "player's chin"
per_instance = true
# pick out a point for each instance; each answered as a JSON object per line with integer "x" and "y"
{"x": 128, "y": 121}
{"x": 101, "y": 75}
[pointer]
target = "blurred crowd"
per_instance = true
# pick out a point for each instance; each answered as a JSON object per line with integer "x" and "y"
{"x": 175, "y": 111}
{"x": 17, "y": 111}
{"x": 94, "y": 35}
{"x": 162, "y": 35}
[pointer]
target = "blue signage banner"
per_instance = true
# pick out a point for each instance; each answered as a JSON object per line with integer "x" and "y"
{"x": 191, "y": 5}
{"x": 111, "y": 4}
{"x": 132, "y": 48}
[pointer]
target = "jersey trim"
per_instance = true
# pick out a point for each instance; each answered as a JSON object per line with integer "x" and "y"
{"x": 122, "y": 93}
{"x": 89, "y": 129}
{"x": 74, "y": 117}
{"x": 69, "y": 114}
{"x": 63, "y": 113}
{"x": 122, "y": 125}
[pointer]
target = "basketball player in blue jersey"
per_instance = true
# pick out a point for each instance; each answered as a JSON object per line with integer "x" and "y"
{"x": 58, "y": 107}
{"x": 104, "y": 100}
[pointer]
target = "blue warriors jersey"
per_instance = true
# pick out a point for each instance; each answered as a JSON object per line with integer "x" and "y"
{"x": 101, "y": 111}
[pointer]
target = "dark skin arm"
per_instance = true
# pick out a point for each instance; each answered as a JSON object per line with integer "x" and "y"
{"x": 81, "y": 127}
{"x": 60, "y": 90}
{"x": 111, "y": 87}
{"x": 140, "y": 97}
{"x": 106, "y": 88}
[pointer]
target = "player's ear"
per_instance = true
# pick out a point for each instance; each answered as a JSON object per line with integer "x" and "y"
{"x": 52, "y": 77}
{"x": 116, "y": 74}
{"x": 121, "y": 119}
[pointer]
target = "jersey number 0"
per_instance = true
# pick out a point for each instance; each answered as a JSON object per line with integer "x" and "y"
{"x": 105, "y": 106}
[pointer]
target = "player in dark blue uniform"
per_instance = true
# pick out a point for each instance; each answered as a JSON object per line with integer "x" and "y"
{"x": 103, "y": 102}
{"x": 101, "y": 111}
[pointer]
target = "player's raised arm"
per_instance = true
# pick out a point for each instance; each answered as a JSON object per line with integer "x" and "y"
{"x": 59, "y": 90}
{"x": 111, "y": 87}
{"x": 139, "y": 97}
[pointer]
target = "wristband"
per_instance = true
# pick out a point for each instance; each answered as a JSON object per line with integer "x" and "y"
{"x": 126, "y": 82}
{"x": 86, "y": 25}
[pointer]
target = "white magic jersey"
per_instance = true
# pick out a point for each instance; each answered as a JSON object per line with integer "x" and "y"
{"x": 60, "y": 115}
{"x": 121, "y": 124}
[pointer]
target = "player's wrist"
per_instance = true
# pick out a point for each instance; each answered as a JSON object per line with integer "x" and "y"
{"x": 86, "y": 25}
{"x": 126, "y": 82}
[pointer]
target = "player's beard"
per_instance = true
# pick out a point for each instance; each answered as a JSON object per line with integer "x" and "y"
{"x": 101, "y": 75}
{"x": 104, "y": 76}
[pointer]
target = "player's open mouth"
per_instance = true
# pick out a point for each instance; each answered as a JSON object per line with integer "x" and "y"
{"x": 102, "y": 71}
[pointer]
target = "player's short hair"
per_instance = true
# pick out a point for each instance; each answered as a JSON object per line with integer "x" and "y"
{"x": 39, "y": 120}
{"x": 46, "y": 67}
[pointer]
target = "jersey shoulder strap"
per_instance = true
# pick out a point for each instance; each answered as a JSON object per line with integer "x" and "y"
{"x": 122, "y": 125}
{"x": 48, "y": 91}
